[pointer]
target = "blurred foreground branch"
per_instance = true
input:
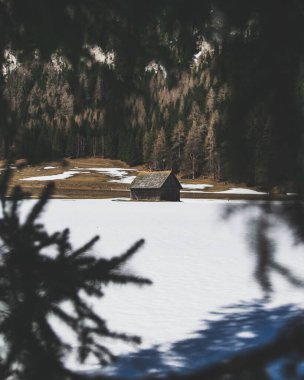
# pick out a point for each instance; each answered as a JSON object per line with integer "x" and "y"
{"x": 43, "y": 277}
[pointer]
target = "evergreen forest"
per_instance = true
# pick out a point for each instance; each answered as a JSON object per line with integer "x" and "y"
{"x": 208, "y": 88}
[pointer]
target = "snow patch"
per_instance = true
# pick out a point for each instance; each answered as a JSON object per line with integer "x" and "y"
{"x": 156, "y": 67}
{"x": 10, "y": 62}
{"x": 54, "y": 177}
{"x": 203, "y": 186}
{"x": 120, "y": 173}
{"x": 101, "y": 56}
{"x": 112, "y": 172}
{"x": 238, "y": 190}
{"x": 126, "y": 180}
{"x": 194, "y": 186}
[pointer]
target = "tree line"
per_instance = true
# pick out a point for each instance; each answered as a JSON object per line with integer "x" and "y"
{"x": 217, "y": 86}
{"x": 198, "y": 126}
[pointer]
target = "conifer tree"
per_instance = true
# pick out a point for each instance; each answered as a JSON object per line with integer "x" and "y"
{"x": 38, "y": 273}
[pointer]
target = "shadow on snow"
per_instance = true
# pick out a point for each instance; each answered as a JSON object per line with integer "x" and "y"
{"x": 227, "y": 332}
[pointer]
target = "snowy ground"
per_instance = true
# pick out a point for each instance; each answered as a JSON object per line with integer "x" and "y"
{"x": 204, "y": 304}
{"x": 54, "y": 177}
{"x": 238, "y": 190}
{"x": 202, "y": 186}
{"x": 124, "y": 176}
{"x": 120, "y": 174}
{"x": 194, "y": 186}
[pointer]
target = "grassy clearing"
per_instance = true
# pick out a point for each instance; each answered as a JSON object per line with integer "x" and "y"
{"x": 91, "y": 185}
{"x": 217, "y": 186}
{"x": 98, "y": 185}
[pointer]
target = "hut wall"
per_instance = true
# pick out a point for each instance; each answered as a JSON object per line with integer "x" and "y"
{"x": 146, "y": 194}
{"x": 170, "y": 190}
{"x": 170, "y": 194}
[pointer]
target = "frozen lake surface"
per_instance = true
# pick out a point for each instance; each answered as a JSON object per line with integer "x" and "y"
{"x": 204, "y": 303}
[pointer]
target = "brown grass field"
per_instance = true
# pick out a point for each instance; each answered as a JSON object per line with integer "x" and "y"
{"x": 97, "y": 186}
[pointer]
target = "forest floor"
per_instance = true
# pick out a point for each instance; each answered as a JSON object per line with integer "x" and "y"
{"x": 97, "y": 178}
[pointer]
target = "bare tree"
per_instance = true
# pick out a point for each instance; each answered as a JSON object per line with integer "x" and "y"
{"x": 193, "y": 149}
{"x": 178, "y": 139}
{"x": 160, "y": 151}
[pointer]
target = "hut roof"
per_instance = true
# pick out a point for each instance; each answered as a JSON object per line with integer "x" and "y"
{"x": 152, "y": 180}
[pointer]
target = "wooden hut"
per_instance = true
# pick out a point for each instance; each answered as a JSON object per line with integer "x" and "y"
{"x": 156, "y": 186}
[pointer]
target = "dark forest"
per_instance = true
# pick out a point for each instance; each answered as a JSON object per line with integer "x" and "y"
{"x": 172, "y": 85}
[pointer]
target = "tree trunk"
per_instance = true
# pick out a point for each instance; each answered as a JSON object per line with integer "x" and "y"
{"x": 193, "y": 167}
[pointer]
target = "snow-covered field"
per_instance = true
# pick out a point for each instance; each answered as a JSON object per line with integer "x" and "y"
{"x": 204, "y": 303}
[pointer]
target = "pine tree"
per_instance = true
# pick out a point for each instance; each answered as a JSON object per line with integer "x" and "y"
{"x": 35, "y": 283}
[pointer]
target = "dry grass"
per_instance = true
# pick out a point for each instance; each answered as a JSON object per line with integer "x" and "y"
{"x": 91, "y": 185}
{"x": 217, "y": 186}
{"x": 97, "y": 185}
